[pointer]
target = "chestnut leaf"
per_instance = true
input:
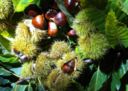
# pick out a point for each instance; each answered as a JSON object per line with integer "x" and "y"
{"x": 97, "y": 80}
{"x": 20, "y": 5}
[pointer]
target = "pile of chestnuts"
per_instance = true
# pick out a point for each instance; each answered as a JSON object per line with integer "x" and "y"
{"x": 51, "y": 18}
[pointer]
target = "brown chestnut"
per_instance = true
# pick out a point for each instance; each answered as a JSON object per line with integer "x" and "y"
{"x": 52, "y": 29}
{"x": 32, "y": 10}
{"x": 71, "y": 33}
{"x": 51, "y": 13}
{"x": 16, "y": 51}
{"x": 24, "y": 58}
{"x": 68, "y": 67}
{"x": 39, "y": 21}
{"x": 70, "y": 4}
{"x": 60, "y": 19}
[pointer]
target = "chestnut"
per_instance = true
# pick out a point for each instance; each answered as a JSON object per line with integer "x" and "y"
{"x": 70, "y": 4}
{"x": 52, "y": 29}
{"x": 32, "y": 10}
{"x": 24, "y": 58}
{"x": 51, "y": 13}
{"x": 68, "y": 67}
{"x": 39, "y": 21}
{"x": 16, "y": 51}
{"x": 71, "y": 33}
{"x": 60, "y": 19}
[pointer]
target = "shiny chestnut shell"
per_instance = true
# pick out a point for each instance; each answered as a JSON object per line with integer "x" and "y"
{"x": 68, "y": 67}
{"x": 32, "y": 10}
{"x": 24, "y": 58}
{"x": 51, "y": 13}
{"x": 16, "y": 51}
{"x": 60, "y": 19}
{"x": 39, "y": 21}
{"x": 70, "y": 4}
{"x": 71, "y": 33}
{"x": 52, "y": 29}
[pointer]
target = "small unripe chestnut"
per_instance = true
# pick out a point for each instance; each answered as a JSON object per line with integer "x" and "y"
{"x": 16, "y": 51}
{"x": 60, "y": 19}
{"x": 32, "y": 10}
{"x": 24, "y": 58}
{"x": 52, "y": 29}
{"x": 68, "y": 67}
{"x": 39, "y": 21}
{"x": 51, "y": 13}
{"x": 71, "y": 33}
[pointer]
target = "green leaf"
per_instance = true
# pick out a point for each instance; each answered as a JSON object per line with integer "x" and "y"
{"x": 116, "y": 76}
{"x": 117, "y": 33}
{"x": 20, "y": 5}
{"x": 1, "y": 50}
{"x": 5, "y": 43}
{"x": 126, "y": 87}
{"x": 118, "y": 6}
{"x": 4, "y": 72}
{"x": 115, "y": 84}
{"x": 16, "y": 70}
{"x": 124, "y": 6}
{"x": 19, "y": 87}
{"x": 15, "y": 2}
{"x": 97, "y": 80}
{"x": 29, "y": 88}
{"x": 123, "y": 69}
{"x": 5, "y": 89}
{"x": 7, "y": 58}
{"x": 114, "y": 4}
{"x": 40, "y": 87}
{"x": 4, "y": 81}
